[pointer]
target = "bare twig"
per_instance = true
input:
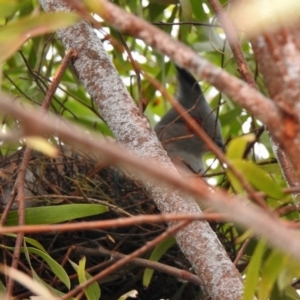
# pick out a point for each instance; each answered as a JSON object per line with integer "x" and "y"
{"x": 170, "y": 231}
{"x": 146, "y": 263}
{"x": 18, "y": 189}
{"x": 233, "y": 42}
{"x": 113, "y": 223}
{"x": 240, "y": 92}
{"x": 137, "y": 71}
{"x": 209, "y": 143}
{"x": 235, "y": 209}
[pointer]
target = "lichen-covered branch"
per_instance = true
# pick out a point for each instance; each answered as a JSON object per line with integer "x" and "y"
{"x": 96, "y": 72}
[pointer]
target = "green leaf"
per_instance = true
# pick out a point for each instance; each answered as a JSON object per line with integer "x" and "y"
{"x": 8, "y": 7}
{"x": 30, "y": 241}
{"x": 16, "y": 33}
{"x": 271, "y": 269}
{"x": 198, "y": 11}
{"x": 288, "y": 274}
{"x": 157, "y": 253}
{"x": 252, "y": 273}
{"x": 2, "y": 289}
{"x": 93, "y": 291}
{"x": 258, "y": 178}
{"x": 56, "y": 213}
{"x": 237, "y": 146}
{"x": 55, "y": 267}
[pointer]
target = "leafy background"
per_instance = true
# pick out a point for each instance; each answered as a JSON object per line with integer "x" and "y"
{"x": 28, "y": 68}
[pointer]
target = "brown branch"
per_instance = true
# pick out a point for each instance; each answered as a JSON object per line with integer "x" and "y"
{"x": 278, "y": 51}
{"x": 19, "y": 192}
{"x": 146, "y": 263}
{"x": 170, "y": 231}
{"x": 96, "y": 72}
{"x": 229, "y": 30}
{"x": 233, "y": 42}
{"x": 239, "y": 91}
{"x": 18, "y": 189}
{"x": 114, "y": 223}
{"x": 210, "y": 143}
{"x": 194, "y": 23}
{"x": 235, "y": 209}
{"x": 71, "y": 54}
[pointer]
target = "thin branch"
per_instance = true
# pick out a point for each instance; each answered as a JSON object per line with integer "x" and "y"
{"x": 18, "y": 189}
{"x": 236, "y": 209}
{"x": 209, "y": 143}
{"x": 137, "y": 71}
{"x": 233, "y": 42}
{"x": 240, "y": 92}
{"x": 194, "y": 23}
{"x": 146, "y": 263}
{"x": 170, "y": 231}
{"x": 113, "y": 223}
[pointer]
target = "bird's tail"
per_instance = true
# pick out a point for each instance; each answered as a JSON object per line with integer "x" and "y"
{"x": 188, "y": 90}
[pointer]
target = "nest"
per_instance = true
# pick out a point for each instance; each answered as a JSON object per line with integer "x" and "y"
{"x": 75, "y": 177}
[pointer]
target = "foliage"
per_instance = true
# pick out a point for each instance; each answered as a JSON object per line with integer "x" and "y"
{"x": 29, "y": 65}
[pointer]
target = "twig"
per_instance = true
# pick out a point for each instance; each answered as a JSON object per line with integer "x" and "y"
{"x": 241, "y": 252}
{"x": 233, "y": 42}
{"x": 146, "y": 263}
{"x": 209, "y": 143}
{"x": 137, "y": 71}
{"x": 170, "y": 231}
{"x": 113, "y": 223}
{"x": 18, "y": 188}
{"x": 194, "y": 23}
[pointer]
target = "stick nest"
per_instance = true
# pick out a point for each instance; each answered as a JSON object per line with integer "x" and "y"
{"x": 76, "y": 177}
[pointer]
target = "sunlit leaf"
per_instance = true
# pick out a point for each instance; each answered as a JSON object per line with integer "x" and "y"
{"x": 259, "y": 178}
{"x": 15, "y": 33}
{"x": 8, "y": 7}
{"x": 252, "y": 273}
{"x": 271, "y": 269}
{"x": 92, "y": 292}
{"x": 41, "y": 145}
{"x": 237, "y": 146}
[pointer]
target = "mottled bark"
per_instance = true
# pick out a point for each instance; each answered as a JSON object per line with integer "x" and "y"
{"x": 199, "y": 243}
{"x": 278, "y": 56}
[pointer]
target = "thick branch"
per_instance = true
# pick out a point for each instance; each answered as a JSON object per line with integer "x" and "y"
{"x": 95, "y": 70}
{"x": 260, "y": 106}
{"x": 237, "y": 209}
{"x": 278, "y": 55}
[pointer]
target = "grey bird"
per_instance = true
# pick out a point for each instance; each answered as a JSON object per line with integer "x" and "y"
{"x": 183, "y": 146}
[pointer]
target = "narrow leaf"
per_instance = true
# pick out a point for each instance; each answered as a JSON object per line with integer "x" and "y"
{"x": 16, "y": 33}
{"x": 259, "y": 178}
{"x": 93, "y": 291}
{"x": 55, "y": 213}
{"x": 157, "y": 253}
{"x": 252, "y": 273}
{"x": 237, "y": 146}
{"x": 271, "y": 269}
{"x": 55, "y": 267}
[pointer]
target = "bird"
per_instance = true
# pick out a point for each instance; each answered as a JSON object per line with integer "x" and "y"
{"x": 185, "y": 148}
